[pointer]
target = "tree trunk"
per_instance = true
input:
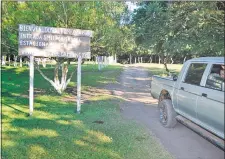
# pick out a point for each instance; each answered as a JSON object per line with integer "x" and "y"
{"x": 21, "y": 62}
{"x": 59, "y": 87}
{"x": 3, "y": 60}
{"x": 141, "y": 59}
{"x": 115, "y": 58}
{"x": 56, "y": 74}
{"x": 64, "y": 76}
{"x": 184, "y": 59}
{"x": 150, "y": 59}
{"x": 99, "y": 63}
{"x": 105, "y": 58}
{"x": 44, "y": 62}
{"x": 96, "y": 59}
{"x": 9, "y": 60}
{"x": 165, "y": 64}
{"x": 15, "y": 61}
{"x": 159, "y": 59}
{"x": 38, "y": 60}
{"x": 130, "y": 59}
{"x": 27, "y": 63}
{"x": 102, "y": 61}
{"x": 171, "y": 60}
{"x": 108, "y": 60}
{"x": 135, "y": 60}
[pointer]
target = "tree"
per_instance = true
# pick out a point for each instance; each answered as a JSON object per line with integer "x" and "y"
{"x": 102, "y": 17}
{"x": 184, "y": 29}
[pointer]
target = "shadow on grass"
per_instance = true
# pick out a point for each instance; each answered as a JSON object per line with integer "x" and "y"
{"x": 54, "y": 131}
{"x": 60, "y": 134}
{"x": 19, "y": 111}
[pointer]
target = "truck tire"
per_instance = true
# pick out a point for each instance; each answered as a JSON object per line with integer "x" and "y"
{"x": 167, "y": 114}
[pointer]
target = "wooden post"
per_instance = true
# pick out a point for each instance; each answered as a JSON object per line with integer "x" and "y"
{"x": 79, "y": 83}
{"x": 31, "y": 92}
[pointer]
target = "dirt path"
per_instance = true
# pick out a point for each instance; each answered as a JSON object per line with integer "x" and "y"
{"x": 181, "y": 142}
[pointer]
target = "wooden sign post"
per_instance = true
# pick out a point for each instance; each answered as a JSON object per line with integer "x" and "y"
{"x": 31, "y": 90}
{"x": 79, "y": 84}
{"x": 41, "y": 41}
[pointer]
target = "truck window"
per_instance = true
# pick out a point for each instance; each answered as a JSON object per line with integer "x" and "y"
{"x": 194, "y": 74}
{"x": 215, "y": 80}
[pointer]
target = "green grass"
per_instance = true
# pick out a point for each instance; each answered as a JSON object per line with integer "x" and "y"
{"x": 159, "y": 69}
{"x": 55, "y": 131}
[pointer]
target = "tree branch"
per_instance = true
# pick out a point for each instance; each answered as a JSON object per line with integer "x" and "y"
{"x": 45, "y": 77}
{"x": 9, "y": 47}
{"x": 68, "y": 80}
{"x": 66, "y": 22}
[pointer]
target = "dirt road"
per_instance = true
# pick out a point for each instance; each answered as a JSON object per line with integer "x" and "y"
{"x": 181, "y": 142}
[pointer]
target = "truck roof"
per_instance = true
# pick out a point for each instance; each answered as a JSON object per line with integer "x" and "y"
{"x": 208, "y": 59}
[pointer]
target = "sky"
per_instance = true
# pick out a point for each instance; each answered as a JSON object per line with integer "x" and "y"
{"x": 131, "y": 6}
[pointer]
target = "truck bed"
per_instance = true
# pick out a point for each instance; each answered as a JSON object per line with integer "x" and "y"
{"x": 159, "y": 83}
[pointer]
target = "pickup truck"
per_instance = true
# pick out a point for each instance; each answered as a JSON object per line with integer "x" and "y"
{"x": 195, "y": 96}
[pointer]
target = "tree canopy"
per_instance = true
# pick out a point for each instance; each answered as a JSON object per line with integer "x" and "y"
{"x": 180, "y": 28}
{"x": 100, "y": 16}
{"x": 166, "y": 29}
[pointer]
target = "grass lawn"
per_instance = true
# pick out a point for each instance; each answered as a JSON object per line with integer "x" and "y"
{"x": 55, "y": 131}
{"x": 159, "y": 69}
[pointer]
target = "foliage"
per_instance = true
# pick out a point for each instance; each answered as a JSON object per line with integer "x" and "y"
{"x": 168, "y": 29}
{"x": 100, "y": 16}
{"x": 181, "y": 28}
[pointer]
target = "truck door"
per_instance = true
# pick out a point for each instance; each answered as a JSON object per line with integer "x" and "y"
{"x": 188, "y": 90}
{"x": 210, "y": 105}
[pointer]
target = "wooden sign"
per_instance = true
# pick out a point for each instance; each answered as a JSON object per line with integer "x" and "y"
{"x": 43, "y": 41}
{"x": 54, "y": 42}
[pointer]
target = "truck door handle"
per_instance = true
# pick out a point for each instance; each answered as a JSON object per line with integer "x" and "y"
{"x": 204, "y": 95}
{"x": 182, "y": 88}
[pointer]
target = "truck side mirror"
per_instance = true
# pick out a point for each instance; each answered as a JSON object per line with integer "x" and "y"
{"x": 175, "y": 77}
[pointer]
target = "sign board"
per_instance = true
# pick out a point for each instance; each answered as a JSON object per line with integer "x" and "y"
{"x": 44, "y": 41}
{"x": 53, "y": 42}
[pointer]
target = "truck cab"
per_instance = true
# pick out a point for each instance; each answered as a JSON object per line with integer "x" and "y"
{"x": 199, "y": 98}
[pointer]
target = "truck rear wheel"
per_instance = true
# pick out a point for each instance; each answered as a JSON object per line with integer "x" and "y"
{"x": 167, "y": 114}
